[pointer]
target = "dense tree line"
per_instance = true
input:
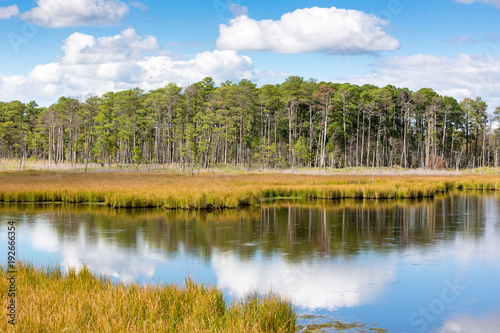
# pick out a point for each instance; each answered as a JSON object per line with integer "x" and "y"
{"x": 296, "y": 123}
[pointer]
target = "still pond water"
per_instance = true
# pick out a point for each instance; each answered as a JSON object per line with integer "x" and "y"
{"x": 406, "y": 266}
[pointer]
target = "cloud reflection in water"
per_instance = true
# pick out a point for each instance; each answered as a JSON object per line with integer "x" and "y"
{"x": 469, "y": 324}
{"x": 101, "y": 255}
{"x": 311, "y": 285}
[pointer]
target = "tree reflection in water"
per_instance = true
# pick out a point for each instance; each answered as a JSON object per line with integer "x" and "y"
{"x": 300, "y": 229}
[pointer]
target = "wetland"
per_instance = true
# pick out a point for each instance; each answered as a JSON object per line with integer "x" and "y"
{"x": 402, "y": 265}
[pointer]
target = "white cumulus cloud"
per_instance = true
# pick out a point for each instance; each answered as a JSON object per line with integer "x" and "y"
{"x": 124, "y": 61}
{"x": 462, "y": 76}
{"x": 86, "y": 49}
{"x": 220, "y": 65}
{"x": 58, "y": 13}
{"x": 49, "y": 73}
{"x": 8, "y": 12}
{"x": 495, "y": 3}
{"x": 328, "y": 30}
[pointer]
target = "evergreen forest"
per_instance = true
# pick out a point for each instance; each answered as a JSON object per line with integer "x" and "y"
{"x": 298, "y": 123}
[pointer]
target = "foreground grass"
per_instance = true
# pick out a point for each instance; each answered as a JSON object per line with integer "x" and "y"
{"x": 208, "y": 191}
{"x": 48, "y": 301}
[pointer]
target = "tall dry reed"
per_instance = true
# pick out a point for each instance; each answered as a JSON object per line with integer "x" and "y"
{"x": 49, "y": 301}
{"x": 205, "y": 191}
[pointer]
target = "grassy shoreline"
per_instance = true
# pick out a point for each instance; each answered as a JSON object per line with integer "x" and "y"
{"x": 217, "y": 191}
{"x": 49, "y": 301}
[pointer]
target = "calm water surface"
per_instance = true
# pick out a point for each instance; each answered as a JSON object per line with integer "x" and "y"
{"x": 406, "y": 266}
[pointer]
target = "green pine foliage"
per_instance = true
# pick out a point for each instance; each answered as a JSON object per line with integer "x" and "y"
{"x": 293, "y": 124}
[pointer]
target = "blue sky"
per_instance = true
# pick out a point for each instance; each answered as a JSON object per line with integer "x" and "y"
{"x": 53, "y": 48}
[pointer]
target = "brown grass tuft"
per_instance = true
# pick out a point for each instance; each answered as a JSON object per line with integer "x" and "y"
{"x": 48, "y": 301}
{"x": 214, "y": 191}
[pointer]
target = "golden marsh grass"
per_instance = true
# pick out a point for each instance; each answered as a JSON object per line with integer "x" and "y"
{"x": 49, "y": 301}
{"x": 205, "y": 191}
